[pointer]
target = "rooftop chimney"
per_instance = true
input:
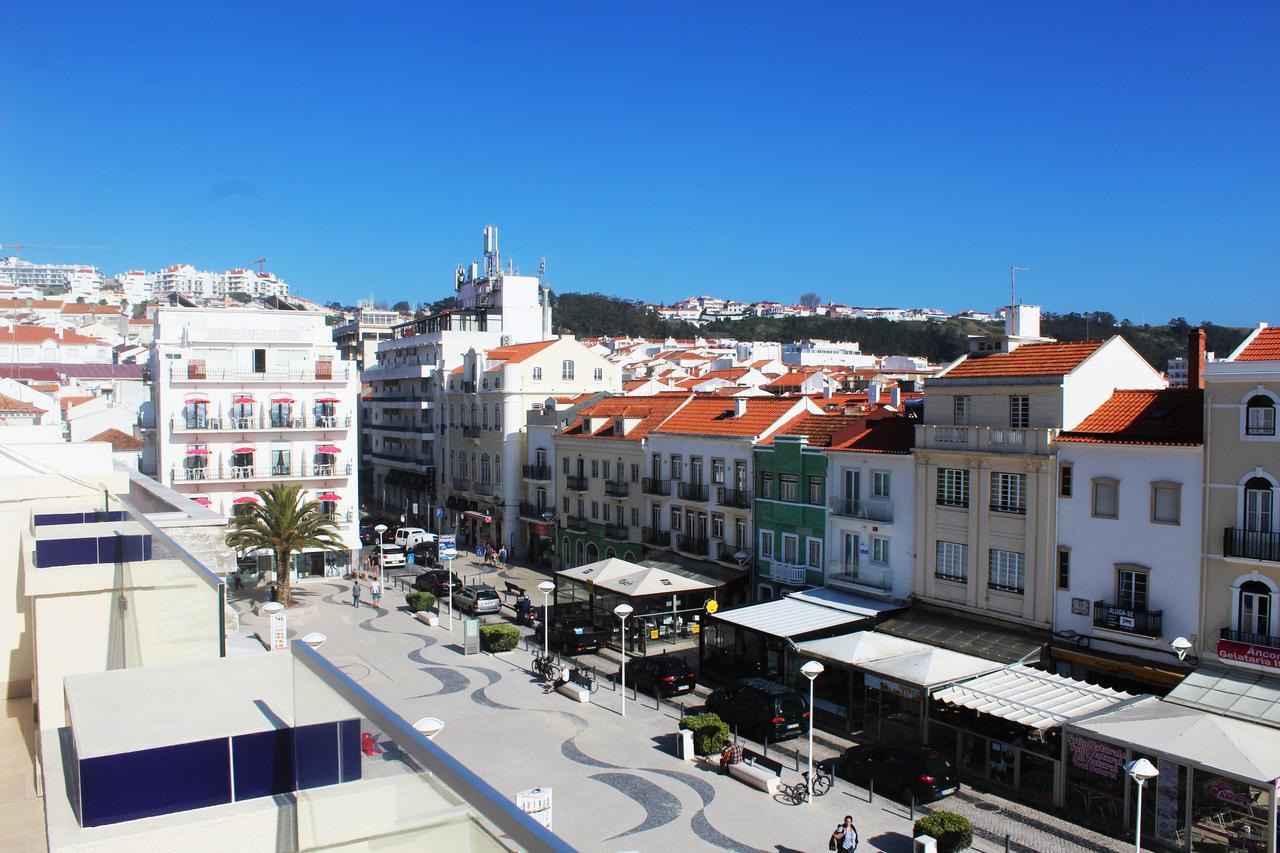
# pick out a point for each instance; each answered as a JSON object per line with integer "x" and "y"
{"x": 1195, "y": 358}
{"x": 873, "y": 393}
{"x": 895, "y": 396}
{"x": 739, "y": 406}
{"x": 826, "y": 389}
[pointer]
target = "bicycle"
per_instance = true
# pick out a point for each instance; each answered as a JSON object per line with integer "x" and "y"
{"x": 584, "y": 678}
{"x": 546, "y": 667}
{"x": 822, "y": 782}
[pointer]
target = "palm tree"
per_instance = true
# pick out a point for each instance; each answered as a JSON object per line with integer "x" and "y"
{"x": 285, "y": 523}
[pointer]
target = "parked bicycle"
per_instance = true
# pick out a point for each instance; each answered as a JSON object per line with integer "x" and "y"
{"x": 584, "y": 678}
{"x": 546, "y": 667}
{"x": 822, "y": 782}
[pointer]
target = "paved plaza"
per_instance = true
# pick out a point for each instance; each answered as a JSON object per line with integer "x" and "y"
{"x": 618, "y": 784}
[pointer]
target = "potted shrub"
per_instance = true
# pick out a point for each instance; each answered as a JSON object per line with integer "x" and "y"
{"x": 953, "y": 832}
{"x": 499, "y": 638}
{"x": 419, "y": 600}
{"x": 709, "y": 732}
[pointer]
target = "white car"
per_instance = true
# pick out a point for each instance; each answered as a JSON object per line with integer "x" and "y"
{"x": 407, "y": 537}
{"x": 392, "y": 556}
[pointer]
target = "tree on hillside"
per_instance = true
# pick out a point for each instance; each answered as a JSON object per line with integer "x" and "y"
{"x": 402, "y": 306}
{"x": 810, "y": 300}
{"x": 283, "y": 523}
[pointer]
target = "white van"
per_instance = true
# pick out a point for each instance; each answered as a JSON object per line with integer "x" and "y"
{"x": 407, "y": 537}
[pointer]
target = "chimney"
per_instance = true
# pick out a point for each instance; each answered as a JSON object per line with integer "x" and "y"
{"x": 895, "y": 396}
{"x": 873, "y": 393}
{"x": 739, "y": 406}
{"x": 1195, "y": 358}
{"x": 59, "y": 333}
{"x": 826, "y": 389}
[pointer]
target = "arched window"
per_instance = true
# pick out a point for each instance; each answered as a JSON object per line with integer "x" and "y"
{"x": 497, "y": 416}
{"x": 565, "y": 551}
{"x": 1254, "y": 609}
{"x": 1260, "y": 415}
{"x": 485, "y": 470}
{"x": 484, "y": 415}
{"x": 497, "y": 470}
{"x": 474, "y": 470}
{"x": 452, "y": 422}
{"x": 609, "y": 553}
{"x": 475, "y": 421}
{"x": 578, "y": 552}
{"x": 1259, "y": 505}
{"x": 540, "y": 457}
{"x": 593, "y": 553}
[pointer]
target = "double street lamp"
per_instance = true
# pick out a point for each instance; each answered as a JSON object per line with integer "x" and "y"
{"x": 622, "y": 611}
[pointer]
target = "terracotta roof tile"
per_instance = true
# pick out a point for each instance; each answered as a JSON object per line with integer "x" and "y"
{"x": 1265, "y": 346}
{"x": 1055, "y": 359}
{"x": 651, "y": 412}
{"x": 1168, "y": 416}
{"x": 818, "y": 429}
{"x": 517, "y": 353}
{"x": 118, "y": 440}
{"x": 40, "y": 334}
{"x": 714, "y": 416}
{"x": 10, "y": 406}
{"x": 885, "y": 431}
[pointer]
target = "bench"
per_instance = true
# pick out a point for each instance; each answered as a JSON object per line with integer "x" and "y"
{"x": 756, "y": 776}
{"x": 514, "y": 591}
{"x": 572, "y": 689}
{"x": 426, "y": 617}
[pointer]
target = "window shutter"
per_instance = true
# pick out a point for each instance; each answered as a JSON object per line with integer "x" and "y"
{"x": 1166, "y": 503}
{"x": 1105, "y": 500}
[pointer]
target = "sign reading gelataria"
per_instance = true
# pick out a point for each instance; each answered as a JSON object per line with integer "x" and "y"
{"x": 1248, "y": 653}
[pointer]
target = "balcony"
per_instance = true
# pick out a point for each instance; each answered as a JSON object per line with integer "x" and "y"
{"x": 534, "y": 511}
{"x": 229, "y": 473}
{"x": 692, "y": 491}
{"x": 1264, "y": 641}
{"x": 655, "y": 486}
{"x": 878, "y": 580}
{"x": 261, "y": 422}
{"x": 575, "y": 483}
{"x": 1037, "y": 440}
{"x": 617, "y": 532}
{"x": 788, "y": 573}
{"x": 727, "y": 553}
{"x": 540, "y": 473}
{"x": 873, "y": 510}
{"x": 577, "y": 523}
{"x": 655, "y": 537}
{"x": 320, "y": 371}
{"x": 616, "y": 488}
{"x": 692, "y": 544}
{"x": 1147, "y": 623}
{"x": 1251, "y": 544}
{"x": 461, "y": 484}
{"x": 740, "y": 498}
{"x": 470, "y": 431}
{"x": 482, "y": 488}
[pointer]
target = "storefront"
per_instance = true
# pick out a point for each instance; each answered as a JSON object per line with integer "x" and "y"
{"x": 840, "y": 694}
{"x": 1216, "y": 785}
{"x": 897, "y": 689}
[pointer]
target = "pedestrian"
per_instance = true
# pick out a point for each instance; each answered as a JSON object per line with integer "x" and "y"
{"x": 375, "y": 589}
{"x": 845, "y": 838}
{"x": 355, "y": 593}
{"x": 502, "y": 557}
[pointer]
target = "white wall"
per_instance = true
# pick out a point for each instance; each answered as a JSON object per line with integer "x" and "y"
{"x": 900, "y": 532}
{"x": 1113, "y": 365}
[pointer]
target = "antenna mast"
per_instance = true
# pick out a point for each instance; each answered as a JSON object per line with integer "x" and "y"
{"x": 1013, "y": 283}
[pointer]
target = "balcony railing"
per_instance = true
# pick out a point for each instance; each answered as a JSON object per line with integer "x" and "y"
{"x": 575, "y": 483}
{"x": 617, "y": 488}
{"x": 871, "y": 510}
{"x": 1009, "y": 508}
{"x": 655, "y": 486}
{"x": 320, "y": 371}
{"x": 483, "y": 488}
{"x": 461, "y": 484}
{"x": 693, "y": 544}
{"x": 788, "y": 573}
{"x": 528, "y": 509}
{"x": 210, "y": 473}
{"x": 740, "y": 498}
{"x": 1251, "y": 544}
{"x": 1148, "y": 623}
{"x": 259, "y": 422}
{"x": 617, "y": 532}
{"x": 577, "y": 523}
{"x": 691, "y": 491}
{"x": 656, "y": 537}
{"x": 537, "y": 472}
{"x": 1266, "y": 641}
{"x": 980, "y": 438}
{"x": 862, "y": 577}
{"x": 470, "y": 431}
{"x": 727, "y": 553}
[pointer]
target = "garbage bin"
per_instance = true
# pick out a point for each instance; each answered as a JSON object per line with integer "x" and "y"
{"x": 924, "y": 844}
{"x": 685, "y": 744}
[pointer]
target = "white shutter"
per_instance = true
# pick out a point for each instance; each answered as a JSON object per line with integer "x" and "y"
{"x": 1104, "y": 500}
{"x": 1166, "y": 504}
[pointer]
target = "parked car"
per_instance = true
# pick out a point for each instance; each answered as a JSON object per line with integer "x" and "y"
{"x": 476, "y": 599}
{"x": 574, "y": 635}
{"x": 906, "y": 771}
{"x": 760, "y": 707}
{"x": 668, "y": 673}
{"x": 424, "y": 554}
{"x": 392, "y": 556}
{"x": 436, "y": 582}
{"x": 407, "y": 537}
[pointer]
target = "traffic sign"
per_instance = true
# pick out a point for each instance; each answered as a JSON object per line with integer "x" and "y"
{"x": 712, "y": 605}
{"x": 448, "y": 546}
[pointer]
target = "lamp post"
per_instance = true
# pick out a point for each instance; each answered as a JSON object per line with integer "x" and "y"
{"x": 546, "y": 588}
{"x": 1140, "y": 770}
{"x": 380, "y": 530}
{"x": 811, "y": 671}
{"x": 622, "y": 611}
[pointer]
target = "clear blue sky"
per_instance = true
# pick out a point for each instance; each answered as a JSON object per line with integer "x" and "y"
{"x": 876, "y": 153}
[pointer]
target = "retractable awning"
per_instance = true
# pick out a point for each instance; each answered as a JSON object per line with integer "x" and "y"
{"x": 478, "y": 516}
{"x": 787, "y": 617}
{"x": 243, "y": 450}
{"x": 203, "y": 501}
{"x": 930, "y": 666}
{"x": 243, "y": 401}
{"x": 327, "y": 400}
{"x": 197, "y": 451}
{"x": 281, "y": 398}
{"x": 1032, "y": 697}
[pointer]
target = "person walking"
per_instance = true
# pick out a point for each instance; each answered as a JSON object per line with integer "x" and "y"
{"x": 502, "y": 557}
{"x": 375, "y": 590}
{"x": 845, "y": 838}
{"x": 355, "y": 593}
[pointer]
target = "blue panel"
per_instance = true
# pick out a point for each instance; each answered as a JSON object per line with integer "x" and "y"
{"x": 316, "y": 755}
{"x": 66, "y": 552}
{"x": 108, "y": 549}
{"x": 131, "y": 785}
{"x": 263, "y": 763}
{"x": 47, "y": 518}
{"x": 349, "y": 744}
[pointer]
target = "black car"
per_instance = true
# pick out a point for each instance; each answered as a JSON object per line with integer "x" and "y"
{"x": 760, "y": 707}
{"x": 904, "y": 771}
{"x": 668, "y": 673}
{"x": 436, "y": 582}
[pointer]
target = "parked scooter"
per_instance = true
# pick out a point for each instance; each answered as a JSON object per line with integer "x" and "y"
{"x": 524, "y": 611}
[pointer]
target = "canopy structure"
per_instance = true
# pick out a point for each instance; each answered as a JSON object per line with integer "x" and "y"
{"x": 1155, "y": 726}
{"x": 1235, "y": 693}
{"x": 281, "y": 398}
{"x": 478, "y": 516}
{"x": 787, "y": 617}
{"x": 203, "y": 501}
{"x": 857, "y": 648}
{"x": 197, "y": 451}
{"x": 930, "y": 666}
{"x": 633, "y": 580}
{"x": 197, "y": 399}
{"x": 1032, "y": 697}
{"x": 243, "y": 450}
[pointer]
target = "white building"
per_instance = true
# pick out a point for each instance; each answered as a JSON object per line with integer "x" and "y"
{"x": 1130, "y": 490}
{"x": 16, "y": 272}
{"x": 21, "y": 344}
{"x": 243, "y": 399}
{"x": 255, "y": 283}
{"x": 826, "y": 354}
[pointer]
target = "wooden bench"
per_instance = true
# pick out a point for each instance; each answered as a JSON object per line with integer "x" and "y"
{"x": 513, "y": 591}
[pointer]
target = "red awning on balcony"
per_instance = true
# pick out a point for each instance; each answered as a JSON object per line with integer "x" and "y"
{"x": 197, "y": 399}
{"x": 203, "y": 501}
{"x": 327, "y": 400}
{"x": 478, "y": 516}
{"x": 243, "y": 450}
{"x": 243, "y": 401}
{"x": 245, "y": 500}
{"x": 197, "y": 451}
{"x": 328, "y": 496}
{"x": 283, "y": 398}
{"x": 328, "y": 448}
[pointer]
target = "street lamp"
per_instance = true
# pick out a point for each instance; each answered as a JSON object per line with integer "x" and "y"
{"x": 1180, "y": 646}
{"x": 315, "y": 639}
{"x": 429, "y": 727}
{"x": 1140, "y": 770}
{"x": 811, "y": 671}
{"x": 546, "y": 588}
{"x": 622, "y": 611}
{"x": 380, "y": 530}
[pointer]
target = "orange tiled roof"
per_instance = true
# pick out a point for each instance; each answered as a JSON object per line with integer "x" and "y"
{"x": 40, "y": 334}
{"x": 118, "y": 440}
{"x": 1053, "y": 359}
{"x": 1265, "y": 346}
{"x": 818, "y": 429}
{"x": 88, "y": 308}
{"x": 516, "y": 353}
{"x": 68, "y": 402}
{"x": 10, "y": 406}
{"x": 729, "y": 374}
{"x": 1167, "y": 416}
{"x": 31, "y": 304}
{"x": 713, "y": 415}
{"x": 885, "y": 432}
{"x": 651, "y": 411}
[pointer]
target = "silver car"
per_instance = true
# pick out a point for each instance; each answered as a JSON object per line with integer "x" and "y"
{"x": 477, "y": 599}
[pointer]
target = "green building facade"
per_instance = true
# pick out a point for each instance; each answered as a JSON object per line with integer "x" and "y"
{"x": 790, "y": 516}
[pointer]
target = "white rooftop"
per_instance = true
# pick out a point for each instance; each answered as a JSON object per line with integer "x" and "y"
{"x": 787, "y": 617}
{"x": 1032, "y": 697}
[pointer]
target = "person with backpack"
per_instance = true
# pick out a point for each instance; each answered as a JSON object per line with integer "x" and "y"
{"x": 845, "y": 837}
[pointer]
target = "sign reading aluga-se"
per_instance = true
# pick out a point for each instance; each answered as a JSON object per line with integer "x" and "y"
{"x": 448, "y": 545}
{"x": 536, "y": 802}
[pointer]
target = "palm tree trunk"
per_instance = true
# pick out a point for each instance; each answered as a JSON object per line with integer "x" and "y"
{"x": 284, "y": 577}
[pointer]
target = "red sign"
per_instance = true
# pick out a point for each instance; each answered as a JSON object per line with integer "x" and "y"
{"x": 1248, "y": 653}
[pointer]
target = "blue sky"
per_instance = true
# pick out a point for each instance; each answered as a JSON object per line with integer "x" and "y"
{"x": 887, "y": 153}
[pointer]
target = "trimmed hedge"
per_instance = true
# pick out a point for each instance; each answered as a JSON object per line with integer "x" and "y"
{"x": 953, "y": 831}
{"x": 499, "y": 638}
{"x": 709, "y": 732}
{"x": 419, "y": 600}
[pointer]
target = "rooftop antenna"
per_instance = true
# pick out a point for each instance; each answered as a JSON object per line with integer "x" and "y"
{"x": 492, "y": 257}
{"x": 1013, "y": 283}
{"x": 542, "y": 269}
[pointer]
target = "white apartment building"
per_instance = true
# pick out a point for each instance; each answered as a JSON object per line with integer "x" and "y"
{"x": 16, "y": 272}
{"x": 826, "y": 354}
{"x": 21, "y": 344}
{"x": 256, "y": 283}
{"x": 186, "y": 280}
{"x": 243, "y": 399}
{"x": 358, "y": 338}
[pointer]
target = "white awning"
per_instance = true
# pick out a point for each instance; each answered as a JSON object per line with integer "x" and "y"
{"x": 857, "y": 648}
{"x": 787, "y": 617}
{"x": 930, "y": 666}
{"x": 1240, "y": 749}
{"x": 859, "y": 605}
{"x": 630, "y": 579}
{"x": 1032, "y": 697}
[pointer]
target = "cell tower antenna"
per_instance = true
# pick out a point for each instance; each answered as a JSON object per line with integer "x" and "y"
{"x": 542, "y": 270}
{"x": 1013, "y": 283}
